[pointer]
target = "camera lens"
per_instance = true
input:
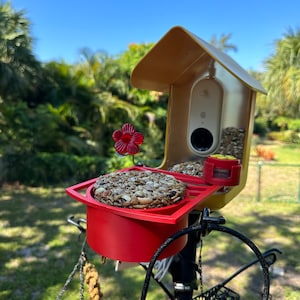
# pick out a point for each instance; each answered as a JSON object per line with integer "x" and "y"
{"x": 201, "y": 139}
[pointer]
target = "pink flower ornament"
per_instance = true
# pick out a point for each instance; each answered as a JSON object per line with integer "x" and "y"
{"x": 127, "y": 140}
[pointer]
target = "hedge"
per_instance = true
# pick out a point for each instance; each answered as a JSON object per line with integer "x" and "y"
{"x": 49, "y": 168}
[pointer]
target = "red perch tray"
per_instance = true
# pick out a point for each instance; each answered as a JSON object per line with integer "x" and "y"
{"x": 134, "y": 235}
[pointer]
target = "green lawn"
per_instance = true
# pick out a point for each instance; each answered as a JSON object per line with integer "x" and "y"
{"x": 272, "y": 224}
{"x": 38, "y": 248}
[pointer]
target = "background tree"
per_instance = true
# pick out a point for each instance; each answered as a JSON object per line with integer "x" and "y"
{"x": 222, "y": 43}
{"x": 19, "y": 70}
{"x": 282, "y": 78}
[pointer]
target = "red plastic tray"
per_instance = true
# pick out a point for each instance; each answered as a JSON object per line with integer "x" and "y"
{"x": 197, "y": 191}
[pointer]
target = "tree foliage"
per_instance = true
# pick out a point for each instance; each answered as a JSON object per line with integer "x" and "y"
{"x": 223, "y": 43}
{"x": 282, "y": 78}
{"x": 19, "y": 69}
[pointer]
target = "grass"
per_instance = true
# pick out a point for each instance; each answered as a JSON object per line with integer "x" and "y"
{"x": 270, "y": 225}
{"x": 287, "y": 153}
{"x": 38, "y": 248}
{"x": 280, "y": 179}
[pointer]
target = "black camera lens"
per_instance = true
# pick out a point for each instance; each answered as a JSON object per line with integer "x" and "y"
{"x": 201, "y": 139}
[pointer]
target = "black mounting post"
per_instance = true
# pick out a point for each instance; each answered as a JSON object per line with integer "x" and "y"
{"x": 183, "y": 267}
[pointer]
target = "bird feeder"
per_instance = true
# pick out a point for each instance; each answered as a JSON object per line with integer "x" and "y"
{"x": 210, "y": 108}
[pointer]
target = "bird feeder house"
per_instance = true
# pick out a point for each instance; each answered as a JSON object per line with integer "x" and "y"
{"x": 210, "y": 108}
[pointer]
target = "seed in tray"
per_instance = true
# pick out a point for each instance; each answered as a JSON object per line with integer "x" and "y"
{"x": 232, "y": 143}
{"x": 194, "y": 168}
{"x": 138, "y": 189}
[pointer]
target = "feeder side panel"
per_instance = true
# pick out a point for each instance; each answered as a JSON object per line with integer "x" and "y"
{"x": 175, "y": 149}
{"x": 236, "y": 98}
{"x": 217, "y": 201}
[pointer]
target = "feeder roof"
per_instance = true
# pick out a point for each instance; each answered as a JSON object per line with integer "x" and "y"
{"x": 179, "y": 56}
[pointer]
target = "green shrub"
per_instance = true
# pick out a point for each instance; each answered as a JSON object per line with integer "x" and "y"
{"x": 49, "y": 168}
{"x": 44, "y": 169}
{"x": 295, "y": 125}
{"x": 286, "y": 136}
{"x": 260, "y": 127}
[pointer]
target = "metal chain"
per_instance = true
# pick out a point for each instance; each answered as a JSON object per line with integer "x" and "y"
{"x": 79, "y": 264}
{"x": 81, "y": 276}
{"x": 200, "y": 265}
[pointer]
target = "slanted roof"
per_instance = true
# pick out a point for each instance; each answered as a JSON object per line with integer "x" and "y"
{"x": 179, "y": 56}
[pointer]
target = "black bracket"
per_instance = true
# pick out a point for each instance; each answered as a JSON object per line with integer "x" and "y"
{"x": 76, "y": 222}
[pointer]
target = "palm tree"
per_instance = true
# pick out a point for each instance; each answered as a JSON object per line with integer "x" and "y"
{"x": 108, "y": 104}
{"x": 282, "y": 78}
{"x": 222, "y": 42}
{"x": 18, "y": 67}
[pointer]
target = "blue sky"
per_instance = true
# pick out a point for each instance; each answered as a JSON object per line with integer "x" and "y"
{"x": 62, "y": 27}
